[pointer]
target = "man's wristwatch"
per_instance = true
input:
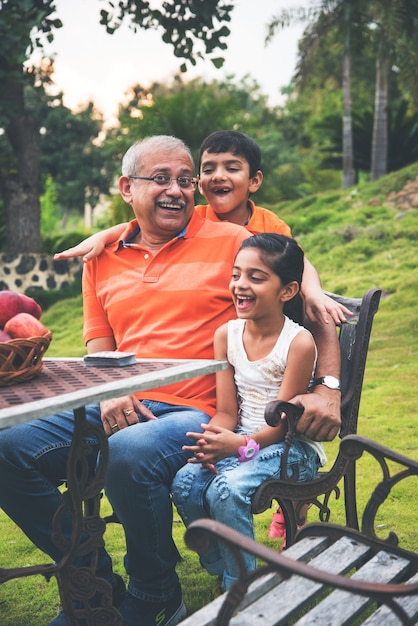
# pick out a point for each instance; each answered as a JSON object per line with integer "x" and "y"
{"x": 329, "y": 381}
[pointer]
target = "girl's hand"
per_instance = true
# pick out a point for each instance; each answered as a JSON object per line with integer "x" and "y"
{"x": 319, "y": 306}
{"x": 209, "y": 466}
{"x": 214, "y": 444}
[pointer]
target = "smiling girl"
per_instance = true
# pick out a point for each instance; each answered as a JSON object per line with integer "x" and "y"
{"x": 270, "y": 357}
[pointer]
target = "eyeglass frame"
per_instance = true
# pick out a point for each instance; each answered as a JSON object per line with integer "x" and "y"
{"x": 193, "y": 180}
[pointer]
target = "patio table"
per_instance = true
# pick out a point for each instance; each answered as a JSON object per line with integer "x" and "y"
{"x": 64, "y": 384}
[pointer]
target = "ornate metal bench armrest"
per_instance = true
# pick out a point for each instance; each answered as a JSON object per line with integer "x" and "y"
{"x": 352, "y": 448}
{"x": 272, "y": 415}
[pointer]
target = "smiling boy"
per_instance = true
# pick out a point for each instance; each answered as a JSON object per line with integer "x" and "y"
{"x": 229, "y": 167}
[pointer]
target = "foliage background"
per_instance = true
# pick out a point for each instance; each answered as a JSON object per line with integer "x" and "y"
{"x": 46, "y": 147}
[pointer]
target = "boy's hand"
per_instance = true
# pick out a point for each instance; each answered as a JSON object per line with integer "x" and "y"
{"x": 319, "y": 307}
{"x": 94, "y": 245}
{"x": 88, "y": 249}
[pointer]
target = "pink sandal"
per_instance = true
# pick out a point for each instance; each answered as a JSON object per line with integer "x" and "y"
{"x": 277, "y": 528}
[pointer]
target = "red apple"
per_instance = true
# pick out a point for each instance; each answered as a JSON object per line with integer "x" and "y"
{"x": 24, "y": 325}
{"x": 4, "y": 350}
{"x": 31, "y": 306}
{"x": 10, "y": 304}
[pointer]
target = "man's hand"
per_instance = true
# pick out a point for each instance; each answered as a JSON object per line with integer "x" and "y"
{"x": 119, "y": 413}
{"x": 321, "y": 418}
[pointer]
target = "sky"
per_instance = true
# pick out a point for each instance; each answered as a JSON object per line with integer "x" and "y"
{"x": 92, "y": 65}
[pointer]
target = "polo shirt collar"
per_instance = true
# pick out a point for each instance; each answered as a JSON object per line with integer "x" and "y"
{"x": 133, "y": 229}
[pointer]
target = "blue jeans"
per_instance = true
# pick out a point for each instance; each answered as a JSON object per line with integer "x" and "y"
{"x": 143, "y": 460}
{"x": 226, "y": 497}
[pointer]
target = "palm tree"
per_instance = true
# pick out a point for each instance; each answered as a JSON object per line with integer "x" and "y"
{"x": 390, "y": 29}
{"x": 326, "y": 16}
{"x": 348, "y": 157}
{"x": 393, "y": 30}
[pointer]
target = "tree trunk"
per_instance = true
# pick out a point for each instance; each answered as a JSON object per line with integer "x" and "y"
{"x": 348, "y": 172}
{"x": 21, "y": 185}
{"x": 379, "y": 160}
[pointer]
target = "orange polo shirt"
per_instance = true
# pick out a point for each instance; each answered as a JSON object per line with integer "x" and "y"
{"x": 262, "y": 220}
{"x": 166, "y": 305}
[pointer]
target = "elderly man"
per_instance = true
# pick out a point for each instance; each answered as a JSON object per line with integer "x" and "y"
{"x": 161, "y": 290}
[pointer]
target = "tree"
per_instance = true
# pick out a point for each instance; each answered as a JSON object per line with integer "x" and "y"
{"x": 302, "y": 170}
{"x": 402, "y": 137}
{"x": 343, "y": 17}
{"x": 184, "y": 24}
{"x": 21, "y": 26}
{"x": 385, "y": 29}
{"x": 393, "y": 30}
{"x": 48, "y": 200}
{"x": 73, "y": 155}
{"x": 348, "y": 170}
{"x": 24, "y": 26}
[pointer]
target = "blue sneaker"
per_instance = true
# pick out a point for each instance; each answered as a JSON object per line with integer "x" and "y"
{"x": 137, "y": 612}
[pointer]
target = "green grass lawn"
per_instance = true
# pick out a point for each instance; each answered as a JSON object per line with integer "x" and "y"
{"x": 355, "y": 245}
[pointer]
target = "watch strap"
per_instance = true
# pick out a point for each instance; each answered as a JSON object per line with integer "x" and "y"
{"x": 329, "y": 381}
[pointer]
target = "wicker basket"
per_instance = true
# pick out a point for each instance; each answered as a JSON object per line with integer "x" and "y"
{"x": 21, "y": 359}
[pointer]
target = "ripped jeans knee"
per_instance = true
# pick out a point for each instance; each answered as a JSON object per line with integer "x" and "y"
{"x": 226, "y": 496}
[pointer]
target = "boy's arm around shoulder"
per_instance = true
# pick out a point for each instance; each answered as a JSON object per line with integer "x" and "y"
{"x": 92, "y": 246}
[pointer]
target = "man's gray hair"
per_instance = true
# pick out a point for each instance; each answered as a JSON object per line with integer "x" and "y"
{"x": 135, "y": 157}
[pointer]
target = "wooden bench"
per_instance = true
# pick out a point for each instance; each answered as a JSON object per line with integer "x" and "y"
{"x": 331, "y": 574}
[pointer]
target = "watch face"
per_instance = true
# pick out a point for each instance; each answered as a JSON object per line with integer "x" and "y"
{"x": 331, "y": 382}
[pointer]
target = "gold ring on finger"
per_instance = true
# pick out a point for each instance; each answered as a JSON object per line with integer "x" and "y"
{"x": 127, "y": 412}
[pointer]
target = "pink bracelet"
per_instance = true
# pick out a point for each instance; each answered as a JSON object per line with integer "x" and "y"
{"x": 249, "y": 451}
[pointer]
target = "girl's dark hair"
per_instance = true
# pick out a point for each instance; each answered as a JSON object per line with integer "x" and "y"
{"x": 235, "y": 142}
{"x": 285, "y": 258}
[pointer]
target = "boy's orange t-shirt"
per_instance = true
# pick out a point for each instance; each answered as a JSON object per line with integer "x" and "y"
{"x": 166, "y": 305}
{"x": 262, "y": 220}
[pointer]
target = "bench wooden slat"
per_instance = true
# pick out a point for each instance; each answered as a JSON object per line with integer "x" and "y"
{"x": 303, "y": 551}
{"x": 385, "y": 616}
{"x": 286, "y": 600}
{"x": 341, "y": 608}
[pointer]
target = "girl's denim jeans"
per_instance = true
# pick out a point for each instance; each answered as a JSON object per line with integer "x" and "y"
{"x": 226, "y": 497}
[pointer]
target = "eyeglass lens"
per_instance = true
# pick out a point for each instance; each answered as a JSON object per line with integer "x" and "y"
{"x": 182, "y": 181}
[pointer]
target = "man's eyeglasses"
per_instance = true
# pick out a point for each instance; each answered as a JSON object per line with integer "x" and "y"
{"x": 163, "y": 180}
